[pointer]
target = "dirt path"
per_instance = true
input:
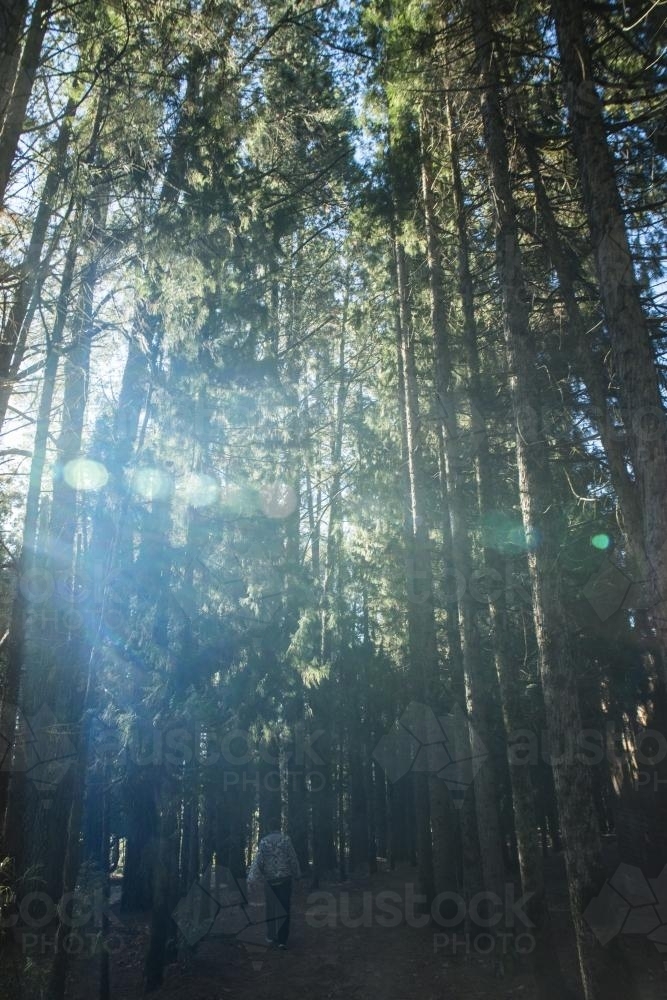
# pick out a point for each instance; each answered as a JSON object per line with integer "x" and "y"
{"x": 343, "y": 961}
{"x": 367, "y": 947}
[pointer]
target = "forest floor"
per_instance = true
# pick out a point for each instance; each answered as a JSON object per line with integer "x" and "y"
{"x": 401, "y": 962}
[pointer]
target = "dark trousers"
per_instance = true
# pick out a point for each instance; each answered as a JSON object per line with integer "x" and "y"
{"x": 278, "y": 897}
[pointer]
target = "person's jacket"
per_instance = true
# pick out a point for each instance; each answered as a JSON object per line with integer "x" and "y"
{"x": 275, "y": 859}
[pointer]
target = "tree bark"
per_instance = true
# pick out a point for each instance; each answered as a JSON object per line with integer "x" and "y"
{"x": 33, "y": 267}
{"x": 22, "y": 89}
{"x": 601, "y": 976}
{"x": 422, "y": 640}
{"x": 60, "y": 679}
{"x": 632, "y": 352}
{"x": 476, "y": 672}
{"x": 12, "y": 18}
{"x": 566, "y": 268}
{"x": 28, "y": 558}
{"x": 545, "y": 960}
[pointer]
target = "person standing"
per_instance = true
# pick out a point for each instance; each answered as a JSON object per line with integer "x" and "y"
{"x": 276, "y": 862}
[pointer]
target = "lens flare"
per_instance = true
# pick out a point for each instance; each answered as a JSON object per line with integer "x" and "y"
{"x": 201, "y": 490}
{"x": 278, "y": 500}
{"x": 506, "y": 533}
{"x": 85, "y": 474}
{"x": 151, "y": 483}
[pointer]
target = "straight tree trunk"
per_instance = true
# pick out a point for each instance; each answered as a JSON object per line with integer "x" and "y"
{"x": 165, "y": 876}
{"x": 567, "y": 270}
{"x": 33, "y": 267}
{"x": 105, "y": 958}
{"x": 166, "y": 789}
{"x": 58, "y": 974}
{"x": 324, "y": 852}
{"x": 626, "y": 324}
{"x": 370, "y": 776}
{"x": 60, "y": 684}
{"x": 141, "y": 836}
{"x": 297, "y": 809}
{"x": 21, "y": 91}
{"x": 27, "y": 563}
{"x": 422, "y": 640}
{"x": 601, "y": 975}
{"x": 358, "y": 815}
{"x": 458, "y": 859}
{"x": 545, "y": 959}
{"x": 625, "y": 487}
{"x": 476, "y": 672}
{"x": 12, "y": 19}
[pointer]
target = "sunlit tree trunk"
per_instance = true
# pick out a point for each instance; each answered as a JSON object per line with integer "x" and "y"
{"x": 28, "y": 559}
{"x": 59, "y": 683}
{"x": 600, "y": 975}
{"x": 625, "y": 487}
{"x": 65, "y": 688}
{"x": 32, "y": 269}
{"x": 632, "y": 352}
{"x": 22, "y": 89}
{"x": 476, "y": 672}
{"x": 590, "y": 365}
{"x": 545, "y": 959}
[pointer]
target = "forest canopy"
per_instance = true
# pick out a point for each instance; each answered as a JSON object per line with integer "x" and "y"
{"x": 333, "y": 471}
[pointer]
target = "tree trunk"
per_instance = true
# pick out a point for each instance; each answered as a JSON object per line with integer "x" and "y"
{"x": 72, "y": 860}
{"x": 545, "y": 959}
{"x": 22, "y": 89}
{"x": 632, "y": 352}
{"x": 476, "y": 672}
{"x": 27, "y": 564}
{"x": 165, "y": 877}
{"x": 422, "y": 641}
{"x": 12, "y": 18}
{"x": 297, "y": 791}
{"x": 600, "y": 974}
{"x": 58, "y": 683}
{"x": 33, "y": 267}
{"x": 625, "y": 487}
{"x": 591, "y": 367}
{"x": 358, "y": 817}
{"x": 140, "y": 839}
